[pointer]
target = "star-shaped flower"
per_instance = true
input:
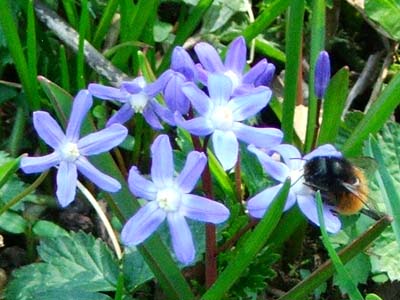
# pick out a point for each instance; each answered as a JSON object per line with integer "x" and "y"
{"x": 168, "y": 198}
{"x": 70, "y": 152}
{"x": 300, "y": 193}
{"x": 222, "y": 116}
{"x": 233, "y": 67}
{"x": 137, "y": 97}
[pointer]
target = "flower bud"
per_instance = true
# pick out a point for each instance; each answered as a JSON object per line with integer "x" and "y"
{"x": 322, "y": 74}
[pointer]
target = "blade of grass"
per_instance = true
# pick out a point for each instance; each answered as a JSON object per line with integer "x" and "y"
{"x": 154, "y": 251}
{"x": 268, "y": 15}
{"x": 15, "y": 47}
{"x": 293, "y": 77}
{"x": 254, "y": 244}
{"x": 185, "y": 30}
{"x": 325, "y": 271}
{"x": 70, "y": 11}
{"x": 267, "y": 49}
{"x": 333, "y": 104}
{"x": 64, "y": 69}
{"x": 105, "y": 22}
{"x": 348, "y": 283}
{"x": 375, "y": 118}
{"x": 317, "y": 44}
{"x": 80, "y": 61}
{"x": 31, "y": 43}
{"x": 387, "y": 186}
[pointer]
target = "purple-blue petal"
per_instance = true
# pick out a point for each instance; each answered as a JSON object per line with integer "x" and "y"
{"x": 308, "y": 206}
{"x": 323, "y": 150}
{"x": 209, "y": 58}
{"x": 163, "y": 112}
{"x": 244, "y": 107}
{"x": 174, "y": 97}
{"x": 273, "y": 168}
{"x": 226, "y": 148}
{"x": 253, "y": 75}
{"x": 235, "y": 59}
{"x": 203, "y": 209}
{"x": 290, "y": 155}
{"x": 200, "y": 101}
{"x": 140, "y": 186}
{"x": 48, "y": 129}
{"x": 183, "y": 63}
{"x": 135, "y": 86}
{"x": 141, "y": 225}
{"x": 67, "y": 177}
{"x": 200, "y": 126}
{"x": 151, "y": 118}
{"x": 124, "y": 114}
{"x": 106, "y": 92}
{"x": 260, "y": 137}
{"x": 39, "y": 164}
{"x": 162, "y": 166}
{"x": 258, "y": 205}
{"x": 102, "y": 140}
{"x": 191, "y": 172}
{"x": 182, "y": 241}
{"x": 219, "y": 88}
{"x": 80, "y": 107}
{"x": 322, "y": 74}
{"x": 100, "y": 179}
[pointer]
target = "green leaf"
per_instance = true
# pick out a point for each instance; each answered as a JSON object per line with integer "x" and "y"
{"x": 135, "y": 269}
{"x": 13, "y": 222}
{"x": 7, "y": 169}
{"x": 161, "y": 30}
{"x": 386, "y": 14}
{"x": 78, "y": 261}
{"x": 333, "y": 104}
{"x": 67, "y": 293}
{"x": 47, "y": 229}
{"x": 247, "y": 252}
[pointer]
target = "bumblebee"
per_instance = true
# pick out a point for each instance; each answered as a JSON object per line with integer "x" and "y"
{"x": 341, "y": 184}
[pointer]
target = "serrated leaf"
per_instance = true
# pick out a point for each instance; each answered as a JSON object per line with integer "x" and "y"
{"x": 386, "y": 255}
{"x": 68, "y": 294}
{"x": 47, "y": 229}
{"x": 135, "y": 269}
{"x": 386, "y": 14}
{"x": 78, "y": 261}
{"x": 358, "y": 268}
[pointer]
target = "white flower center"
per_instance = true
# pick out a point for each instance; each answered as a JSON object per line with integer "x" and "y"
{"x": 222, "y": 118}
{"x": 70, "y": 152}
{"x": 138, "y": 102}
{"x": 297, "y": 180}
{"x": 169, "y": 199}
{"x": 234, "y": 78}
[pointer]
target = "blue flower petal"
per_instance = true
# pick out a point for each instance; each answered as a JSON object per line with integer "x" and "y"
{"x": 275, "y": 169}
{"x": 219, "y": 88}
{"x": 80, "y": 107}
{"x": 226, "y": 148}
{"x": 235, "y": 59}
{"x": 142, "y": 224}
{"x": 290, "y": 155}
{"x": 100, "y": 179}
{"x": 151, "y": 118}
{"x": 200, "y": 101}
{"x": 324, "y": 150}
{"x": 308, "y": 206}
{"x": 39, "y": 164}
{"x": 174, "y": 97}
{"x": 162, "y": 166}
{"x": 48, "y": 129}
{"x": 209, "y": 58}
{"x": 198, "y": 126}
{"x": 183, "y": 63}
{"x": 182, "y": 241}
{"x": 191, "y": 172}
{"x": 260, "y": 137}
{"x": 134, "y": 86}
{"x": 258, "y": 205}
{"x": 103, "y": 140}
{"x": 108, "y": 93}
{"x": 67, "y": 177}
{"x": 163, "y": 112}
{"x": 140, "y": 186}
{"x": 203, "y": 209}
{"x": 244, "y": 107}
{"x": 255, "y": 72}
{"x": 124, "y": 114}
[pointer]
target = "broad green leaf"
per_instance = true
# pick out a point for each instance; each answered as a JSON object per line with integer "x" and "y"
{"x": 67, "y": 293}
{"x": 13, "y": 222}
{"x": 161, "y": 31}
{"x": 386, "y": 14}
{"x": 78, "y": 261}
{"x": 47, "y": 229}
{"x": 135, "y": 269}
{"x": 333, "y": 104}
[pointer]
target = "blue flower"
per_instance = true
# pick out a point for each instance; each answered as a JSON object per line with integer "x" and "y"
{"x": 222, "y": 117}
{"x": 303, "y": 195}
{"x": 168, "y": 198}
{"x": 233, "y": 67}
{"x": 70, "y": 152}
{"x": 322, "y": 74}
{"x": 137, "y": 97}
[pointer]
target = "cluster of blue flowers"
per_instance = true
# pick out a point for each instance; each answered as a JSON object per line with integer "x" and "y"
{"x": 227, "y": 98}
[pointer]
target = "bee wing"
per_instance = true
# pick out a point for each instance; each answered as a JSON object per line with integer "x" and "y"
{"x": 367, "y": 164}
